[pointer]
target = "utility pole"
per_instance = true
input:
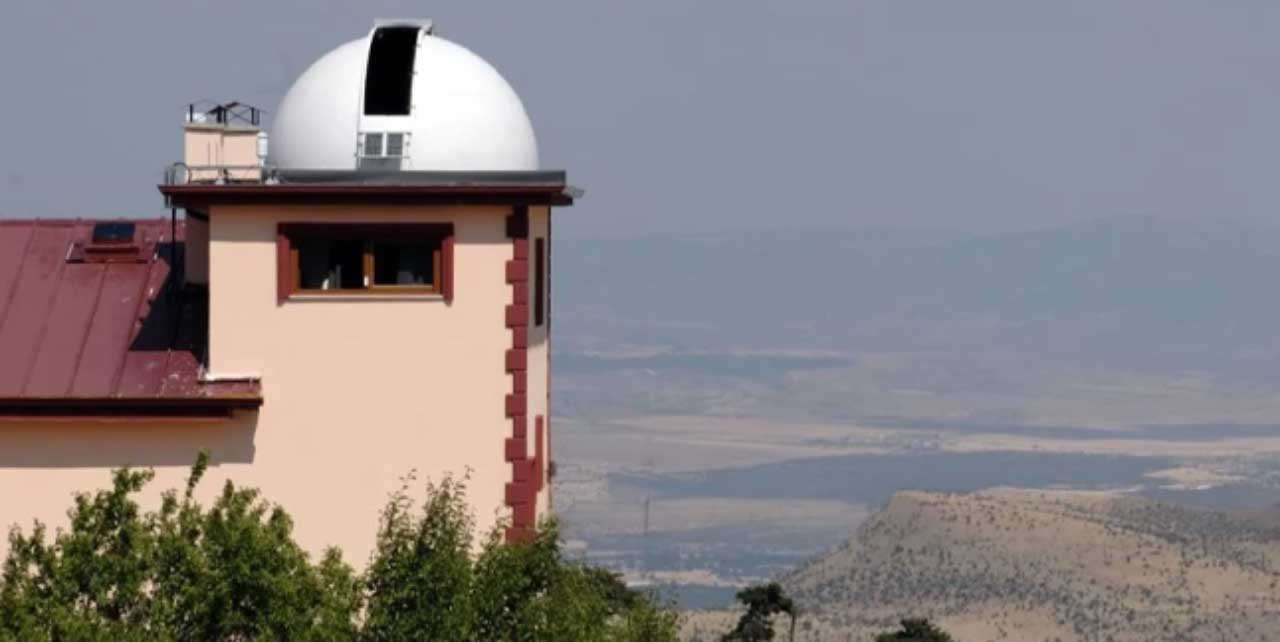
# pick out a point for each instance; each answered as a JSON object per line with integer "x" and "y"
{"x": 646, "y": 570}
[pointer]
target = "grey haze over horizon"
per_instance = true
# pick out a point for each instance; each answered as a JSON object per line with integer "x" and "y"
{"x": 696, "y": 116}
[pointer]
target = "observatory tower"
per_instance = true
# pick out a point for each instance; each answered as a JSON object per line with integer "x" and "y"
{"x": 368, "y": 296}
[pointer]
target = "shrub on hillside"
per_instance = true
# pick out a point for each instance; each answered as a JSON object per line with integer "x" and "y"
{"x": 762, "y": 602}
{"x": 234, "y": 572}
{"x": 915, "y": 630}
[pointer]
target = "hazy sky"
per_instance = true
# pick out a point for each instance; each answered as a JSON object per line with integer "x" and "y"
{"x": 699, "y": 115}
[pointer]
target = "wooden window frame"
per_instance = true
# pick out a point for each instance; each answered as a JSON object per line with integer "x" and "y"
{"x": 289, "y": 276}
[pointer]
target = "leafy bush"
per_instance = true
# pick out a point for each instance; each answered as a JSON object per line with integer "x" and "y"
{"x": 916, "y": 630}
{"x": 645, "y": 622}
{"x": 183, "y": 573}
{"x": 234, "y": 572}
{"x": 762, "y": 602}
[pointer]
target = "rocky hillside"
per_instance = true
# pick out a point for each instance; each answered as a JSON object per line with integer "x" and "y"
{"x": 1029, "y": 565}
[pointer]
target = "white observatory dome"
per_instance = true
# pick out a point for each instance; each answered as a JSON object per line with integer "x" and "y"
{"x": 402, "y": 98}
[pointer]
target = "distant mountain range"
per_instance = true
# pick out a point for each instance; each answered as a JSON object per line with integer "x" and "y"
{"x": 1039, "y": 565}
{"x": 1133, "y": 291}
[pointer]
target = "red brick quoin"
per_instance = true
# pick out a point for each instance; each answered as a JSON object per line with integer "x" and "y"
{"x": 521, "y": 493}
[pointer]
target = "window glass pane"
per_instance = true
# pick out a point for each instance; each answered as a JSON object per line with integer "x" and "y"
{"x": 326, "y": 264}
{"x": 114, "y": 232}
{"x": 395, "y": 144}
{"x": 373, "y": 144}
{"x": 403, "y": 263}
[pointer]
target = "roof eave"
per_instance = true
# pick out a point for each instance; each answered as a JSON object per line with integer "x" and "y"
{"x": 72, "y": 408}
{"x": 372, "y": 187}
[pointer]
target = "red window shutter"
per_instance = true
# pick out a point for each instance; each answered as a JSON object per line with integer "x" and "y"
{"x": 446, "y": 269}
{"x": 284, "y": 267}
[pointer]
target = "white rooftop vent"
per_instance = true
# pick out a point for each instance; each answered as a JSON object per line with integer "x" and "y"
{"x": 383, "y": 150}
{"x": 402, "y": 98}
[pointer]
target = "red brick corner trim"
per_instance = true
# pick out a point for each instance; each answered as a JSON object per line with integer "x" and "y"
{"x": 521, "y": 493}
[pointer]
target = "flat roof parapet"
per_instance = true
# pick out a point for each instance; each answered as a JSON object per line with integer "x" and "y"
{"x": 383, "y": 187}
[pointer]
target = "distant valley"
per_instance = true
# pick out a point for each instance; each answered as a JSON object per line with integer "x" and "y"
{"x": 731, "y": 406}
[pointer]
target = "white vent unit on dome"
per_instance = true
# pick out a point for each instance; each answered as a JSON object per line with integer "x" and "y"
{"x": 383, "y": 150}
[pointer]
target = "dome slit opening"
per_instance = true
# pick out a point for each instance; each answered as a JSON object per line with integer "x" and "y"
{"x": 388, "y": 85}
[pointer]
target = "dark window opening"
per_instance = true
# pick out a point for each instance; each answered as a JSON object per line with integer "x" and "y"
{"x": 388, "y": 78}
{"x": 539, "y": 281}
{"x": 330, "y": 264}
{"x": 115, "y": 232}
{"x": 405, "y": 263}
{"x": 359, "y": 258}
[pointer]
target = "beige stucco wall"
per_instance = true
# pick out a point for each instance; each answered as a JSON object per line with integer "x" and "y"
{"x": 201, "y": 146}
{"x": 44, "y": 463}
{"x": 358, "y": 392}
{"x": 219, "y": 146}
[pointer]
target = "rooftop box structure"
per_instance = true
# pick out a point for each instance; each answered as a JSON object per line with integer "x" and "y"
{"x": 222, "y": 143}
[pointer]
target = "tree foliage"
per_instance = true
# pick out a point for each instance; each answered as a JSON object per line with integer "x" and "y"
{"x": 763, "y": 603}
{"x": 233, "y": 571}
{"x": 915, "y": 630}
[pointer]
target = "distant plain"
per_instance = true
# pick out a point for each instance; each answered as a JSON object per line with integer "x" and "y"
{"x": 764, "y": 411}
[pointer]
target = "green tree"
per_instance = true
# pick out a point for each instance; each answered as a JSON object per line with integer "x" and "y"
{"x": 425, "y": 584}
{"x": 915, "y": 630}
{"x": 527, "y": 592}
{"x": 234, "y": 572}
{"x": 619, "y": 597}
{"x": 645, "y": 622}
{"x": 230, "y": 572}
{"x": 420, "y": 580}
{"x": 763, "y": 603}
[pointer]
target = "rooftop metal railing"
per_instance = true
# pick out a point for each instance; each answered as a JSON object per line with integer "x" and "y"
{"x": 182, "y": 174}
{"x": 232, "y": 113}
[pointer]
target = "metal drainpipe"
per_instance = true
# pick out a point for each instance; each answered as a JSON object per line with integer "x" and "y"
{"x": 173, "y": 250}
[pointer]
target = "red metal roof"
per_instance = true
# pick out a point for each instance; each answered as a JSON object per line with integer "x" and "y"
{"x": 115, "y": 333}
